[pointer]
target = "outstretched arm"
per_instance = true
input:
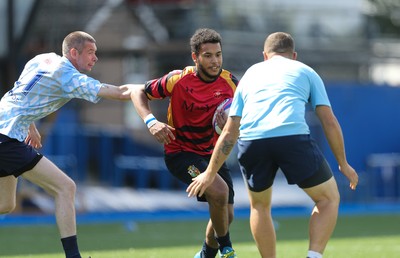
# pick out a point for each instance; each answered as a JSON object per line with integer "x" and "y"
{"x": 122, "y": 92}
{"x": 223, "y": 148}
{"x": 333, "y": 133}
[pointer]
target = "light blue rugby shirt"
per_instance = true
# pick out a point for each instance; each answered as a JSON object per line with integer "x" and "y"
{"x": 47, "y": 82}
{"x": 271, "y": 98}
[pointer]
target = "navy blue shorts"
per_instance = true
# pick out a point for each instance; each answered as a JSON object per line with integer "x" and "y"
{"x": 182, "y": 164}
{"x": 16, "y": 157}
{"x": 298, "y": 156}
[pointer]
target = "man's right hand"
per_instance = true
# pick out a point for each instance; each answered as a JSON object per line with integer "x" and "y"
{"x": 162, "y": 132}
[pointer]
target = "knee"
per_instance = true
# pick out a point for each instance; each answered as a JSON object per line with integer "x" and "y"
{"x": 66, "y": 189}
{"x": 333, "y": 201}
{"x": 7, "y": 207}
{"x": 69, "y": 187}
{"x": 218, "y": 198}
{"x": 260, "y": 203}
{"x": 217, "y": 201}
{"x": 334, "y": 198}
{"x": 218, "y": 194}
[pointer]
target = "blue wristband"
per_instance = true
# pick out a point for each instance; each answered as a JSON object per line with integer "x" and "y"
{"x": 150, "y": 120}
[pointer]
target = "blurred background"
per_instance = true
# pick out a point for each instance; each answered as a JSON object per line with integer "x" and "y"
{"x": 107, "y": 149}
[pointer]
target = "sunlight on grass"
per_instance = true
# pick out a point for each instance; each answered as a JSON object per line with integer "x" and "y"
{"x": 355, "y": 248}
{"x": 355, "y": 237}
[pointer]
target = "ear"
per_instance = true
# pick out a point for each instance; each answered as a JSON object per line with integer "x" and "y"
{"x": 73, "y": 52}
{"x": 265, "y": 56}
{"x": 194, "y": 57}
{"x": 294, "y": 55}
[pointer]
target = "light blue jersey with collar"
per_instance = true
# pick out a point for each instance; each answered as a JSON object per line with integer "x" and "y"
{"x": 47, "y": 82}
{"x": 271, "y": 98}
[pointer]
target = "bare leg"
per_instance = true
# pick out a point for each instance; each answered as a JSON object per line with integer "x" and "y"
{"x": 325, "y": 213}
{"x": 8, "y": 190}
{"x": 48, "y": 176}
{"x": 261, "y": 223}
{"x": 210, "y": 236}
{"x": 217, "y": 197}
{"x": 210, "y": 233}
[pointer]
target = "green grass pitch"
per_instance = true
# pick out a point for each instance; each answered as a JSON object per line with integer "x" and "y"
{"x": 355, "y": 237}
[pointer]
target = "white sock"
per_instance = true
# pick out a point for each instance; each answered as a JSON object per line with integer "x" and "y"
{"x": 312, "y": 254}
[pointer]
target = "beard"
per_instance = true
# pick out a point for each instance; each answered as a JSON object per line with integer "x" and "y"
{"x": 209, "y": 77}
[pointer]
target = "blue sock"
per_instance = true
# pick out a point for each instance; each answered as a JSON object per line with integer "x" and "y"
{"x": 224, "y": 241}
{"x": 70, "y": 245}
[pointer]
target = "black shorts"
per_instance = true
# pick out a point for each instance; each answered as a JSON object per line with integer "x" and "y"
{"x": 16, "y": 157}
{"x": 298, "y": 156}
{"x": 180, "y": 164}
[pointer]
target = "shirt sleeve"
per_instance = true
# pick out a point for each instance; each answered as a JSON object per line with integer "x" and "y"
{"x": 162, "y": 87}
{"x": 83, "y": 87}
{"x": 237, "y": 103}
{"x": 318, "y": 95}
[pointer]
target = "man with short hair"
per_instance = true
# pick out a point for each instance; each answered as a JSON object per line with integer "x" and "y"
{"x": 47, "y": 82}
{"x": 189, "y": 136}
{"x": 268, "y": 116}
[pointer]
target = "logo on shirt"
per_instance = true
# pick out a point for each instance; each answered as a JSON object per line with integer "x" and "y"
{"x": 190, "y": 90}
{"x": 191, "y": 107}
{"x": 217, "y": 94}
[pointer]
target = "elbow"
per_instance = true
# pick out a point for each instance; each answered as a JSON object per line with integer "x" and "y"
{"x": 232, "y": 134}
{"x": 331, "y": 123}
{"x": 137, "y": 90}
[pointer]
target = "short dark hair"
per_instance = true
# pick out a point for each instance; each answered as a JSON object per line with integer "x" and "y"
{"x": 279, "y": 42}
{"x": 77, "y": 40}
{"x": 202, "y": 36}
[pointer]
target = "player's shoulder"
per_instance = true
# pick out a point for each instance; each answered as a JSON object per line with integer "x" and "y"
{"x": 45, "y": 61}
{"x": 228, "y": 76}
{"x": 186, "y": 74}
{"x": 256, "y": 67}
{"x": 188, "y": 70}
{"x": 180, "y": 73}
{"x": 226, "y": 72}
{"x": 306, "y": 69}
{"x": 292, "y": 64}
{"x": 43, "y": 57}
{"x": 48, "y": 56}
